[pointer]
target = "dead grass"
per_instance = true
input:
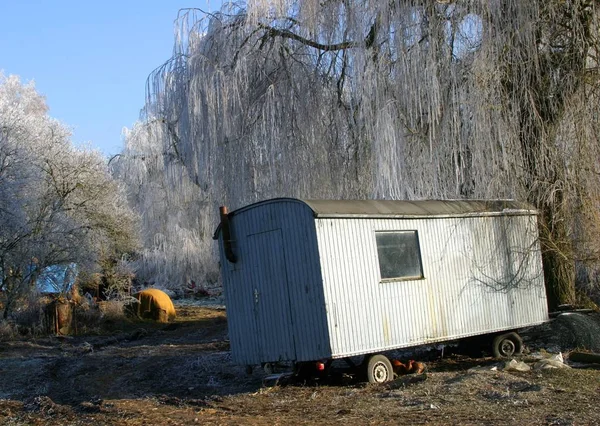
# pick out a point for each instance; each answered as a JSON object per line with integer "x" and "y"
{"x": 181, "y": 373}
{"x": 7, "y": 330}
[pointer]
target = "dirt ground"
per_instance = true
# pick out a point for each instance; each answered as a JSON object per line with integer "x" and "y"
{"x": 180, "y": 373}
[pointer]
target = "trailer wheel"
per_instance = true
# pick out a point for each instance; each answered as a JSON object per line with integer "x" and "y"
{"x": 379, "y": 369}
{"x": 507, "y": 345}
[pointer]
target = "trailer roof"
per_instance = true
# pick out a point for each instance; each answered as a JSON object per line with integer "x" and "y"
{"x": 402, "y": 208}
{"x": 423, "y": 208}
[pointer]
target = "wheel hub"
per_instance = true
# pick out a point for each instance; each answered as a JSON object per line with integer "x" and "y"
{"x": 507, "y": 347}
{"x": 380, "y": 372}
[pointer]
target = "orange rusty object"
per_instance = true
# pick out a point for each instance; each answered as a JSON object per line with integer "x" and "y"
{"x": 399, "y": 367}
{"x": 411, "y": 367}
{"x": 416, "y": 367}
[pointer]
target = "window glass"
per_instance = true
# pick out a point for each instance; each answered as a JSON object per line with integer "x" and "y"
{"x": 399, "y": 255}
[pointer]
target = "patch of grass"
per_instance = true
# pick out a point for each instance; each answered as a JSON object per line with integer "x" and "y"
{"x": 112, "y": 310}
{"x": 7, "y": 330}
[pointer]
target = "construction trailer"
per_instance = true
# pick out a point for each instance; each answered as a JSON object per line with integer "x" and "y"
{"x": 315, "y": 280}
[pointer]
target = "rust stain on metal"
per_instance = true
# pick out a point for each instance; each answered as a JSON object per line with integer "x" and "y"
{"x": 386, "y": 330}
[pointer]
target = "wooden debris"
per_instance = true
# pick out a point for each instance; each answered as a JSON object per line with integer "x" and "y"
{"x": 585, "y": 357}
{"x": 408, "y": 380}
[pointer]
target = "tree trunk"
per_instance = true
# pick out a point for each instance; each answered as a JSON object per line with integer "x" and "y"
{"x": 559, "y": 267}
{"x": 541, "y": 104}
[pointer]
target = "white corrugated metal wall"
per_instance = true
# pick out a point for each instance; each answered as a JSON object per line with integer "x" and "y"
{"x": 481, "y": 274}
{"x": 274, "y": 296}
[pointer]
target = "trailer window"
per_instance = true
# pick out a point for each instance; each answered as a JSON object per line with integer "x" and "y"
{"x": 399, "y": 255}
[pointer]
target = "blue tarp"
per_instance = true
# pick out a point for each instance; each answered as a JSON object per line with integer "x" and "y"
{"x": 57, "y": 278}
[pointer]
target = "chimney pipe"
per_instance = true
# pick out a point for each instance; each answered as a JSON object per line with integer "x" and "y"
{"x": 226, "y": 235}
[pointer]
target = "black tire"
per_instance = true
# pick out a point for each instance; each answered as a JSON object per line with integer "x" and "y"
{"x": 507, "y": 345}
{"x": 379, "y": 369}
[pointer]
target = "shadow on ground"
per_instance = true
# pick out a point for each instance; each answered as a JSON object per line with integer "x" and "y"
{"x": 186, "y": 359}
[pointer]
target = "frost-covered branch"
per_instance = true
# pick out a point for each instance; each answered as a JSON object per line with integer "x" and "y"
{"x": 277, "y": 32}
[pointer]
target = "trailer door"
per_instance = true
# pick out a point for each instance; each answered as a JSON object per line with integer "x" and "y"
{"x": 270, "y": 294}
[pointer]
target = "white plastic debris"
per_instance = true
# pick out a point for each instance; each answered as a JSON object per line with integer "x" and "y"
{"x": 484, "y": 368}
{"x": 558, "y": 357}
{"x": 514, "y": 365}
{"x": 549, "y": 363}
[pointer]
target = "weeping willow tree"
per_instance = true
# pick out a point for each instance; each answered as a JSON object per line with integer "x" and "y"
{"x": 399, "y": 100}
{"x": 175, "y": 219}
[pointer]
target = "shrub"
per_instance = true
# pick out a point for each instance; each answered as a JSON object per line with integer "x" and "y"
{"x": 7, "y": 330}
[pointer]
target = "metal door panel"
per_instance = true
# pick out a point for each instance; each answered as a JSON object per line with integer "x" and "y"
{"x": 270, "y": 295}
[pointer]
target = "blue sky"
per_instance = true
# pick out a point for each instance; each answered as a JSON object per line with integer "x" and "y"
{"x": 90, "y": 59}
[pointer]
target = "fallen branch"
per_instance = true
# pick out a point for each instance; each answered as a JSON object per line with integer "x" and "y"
{"x": 585, "y": 357}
